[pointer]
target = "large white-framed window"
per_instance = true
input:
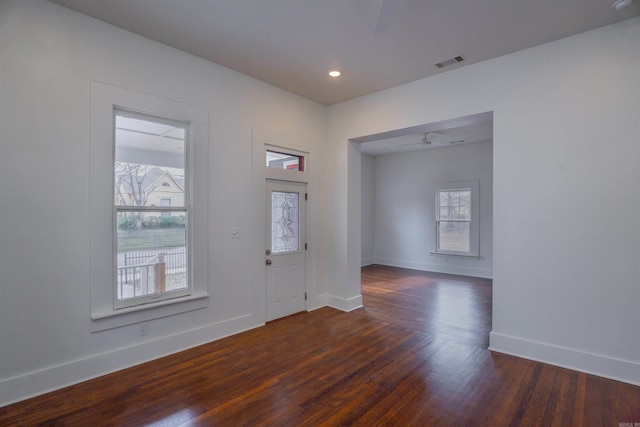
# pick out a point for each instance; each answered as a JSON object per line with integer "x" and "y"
{"x": 456, "y": 219}
{"x": 148, "y": 207}
{"x": 151, "y": 230}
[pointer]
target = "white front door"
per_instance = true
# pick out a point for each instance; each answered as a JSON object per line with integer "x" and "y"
{"x": 285, "y": 248}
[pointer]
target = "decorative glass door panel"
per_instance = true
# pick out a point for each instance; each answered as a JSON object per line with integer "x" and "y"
{"x": 285, "y": 224}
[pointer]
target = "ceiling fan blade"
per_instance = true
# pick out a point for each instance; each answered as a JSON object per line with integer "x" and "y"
{"x": 385, "y": 18}
{"x": 414, "y": 143}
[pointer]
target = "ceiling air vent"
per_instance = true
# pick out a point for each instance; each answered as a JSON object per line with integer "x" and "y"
{"x": 450, "y": 62}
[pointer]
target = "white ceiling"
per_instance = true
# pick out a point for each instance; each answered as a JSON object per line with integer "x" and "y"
{"x": 293, "y": 44}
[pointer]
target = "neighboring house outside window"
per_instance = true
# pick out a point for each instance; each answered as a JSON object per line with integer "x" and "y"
{"x": 165, "y": 203}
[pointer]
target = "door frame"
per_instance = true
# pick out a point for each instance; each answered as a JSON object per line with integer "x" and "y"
{"x": 261, "y": 140}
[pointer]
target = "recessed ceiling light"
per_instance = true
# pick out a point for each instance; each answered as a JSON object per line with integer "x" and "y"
{"x": 334, "y": 73}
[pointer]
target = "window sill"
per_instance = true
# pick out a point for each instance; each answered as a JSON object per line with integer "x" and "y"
{"x": 109, "y": 319}
{"x": 457, "y": 255}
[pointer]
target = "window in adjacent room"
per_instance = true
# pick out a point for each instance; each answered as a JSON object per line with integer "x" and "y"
{"x": 456, "y": 213}
{"x": 152, "y": 211}
{"x": 453, "y": 221}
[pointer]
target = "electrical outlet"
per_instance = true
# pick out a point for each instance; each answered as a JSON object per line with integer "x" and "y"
{"x": 144, "y": 329}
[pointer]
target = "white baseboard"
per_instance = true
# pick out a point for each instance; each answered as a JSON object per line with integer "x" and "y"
{"x": 437, "y": 268}
{"x": 343, "y": 304}
{"x": 595, "y": 364}
{"x": 367, "y": 261}
{"x": 56, "y": 377}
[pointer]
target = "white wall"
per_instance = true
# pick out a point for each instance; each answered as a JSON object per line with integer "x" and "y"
{"x": 566, "y": 192}
{"x": 49, "y": 56}
{"x": 405, "y": 205}
{"x": 368, "y": 209}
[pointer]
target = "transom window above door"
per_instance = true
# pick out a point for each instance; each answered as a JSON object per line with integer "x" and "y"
{"x": 286, "y": 161}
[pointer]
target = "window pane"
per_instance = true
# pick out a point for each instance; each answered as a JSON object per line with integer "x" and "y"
{"x": 454, "y": 204}
{"x": 149, "y": 171}
{"x": 285, "y": 161}
{"x": 284, "y": 222}
{"x": 453, "y": 236}
{"x": 151, "y": 253}
{"x": 150, "y": 163}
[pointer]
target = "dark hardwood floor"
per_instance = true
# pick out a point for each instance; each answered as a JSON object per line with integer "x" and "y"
{"x": 415, "y": 355}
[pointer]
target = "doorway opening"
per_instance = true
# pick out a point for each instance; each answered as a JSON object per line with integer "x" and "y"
{"x": 404, "y": 224}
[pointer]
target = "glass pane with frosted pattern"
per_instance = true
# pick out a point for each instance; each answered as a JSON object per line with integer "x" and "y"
{"x": 284, "y": 222}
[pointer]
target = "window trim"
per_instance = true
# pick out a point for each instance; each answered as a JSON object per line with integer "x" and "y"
{"x": 104, "y": 100}
{"x": 474, "y": 223}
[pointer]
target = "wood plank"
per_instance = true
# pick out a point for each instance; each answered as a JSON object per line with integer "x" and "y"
{"x": 416, "y": 354}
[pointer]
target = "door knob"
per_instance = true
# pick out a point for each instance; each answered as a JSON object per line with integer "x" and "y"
{"x": 268, "y": 251}
{"x": 268, "y": 262}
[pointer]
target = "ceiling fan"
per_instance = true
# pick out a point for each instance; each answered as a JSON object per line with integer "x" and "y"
{"x": 434, "y": 139}
{"x": 386, "y": 15}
